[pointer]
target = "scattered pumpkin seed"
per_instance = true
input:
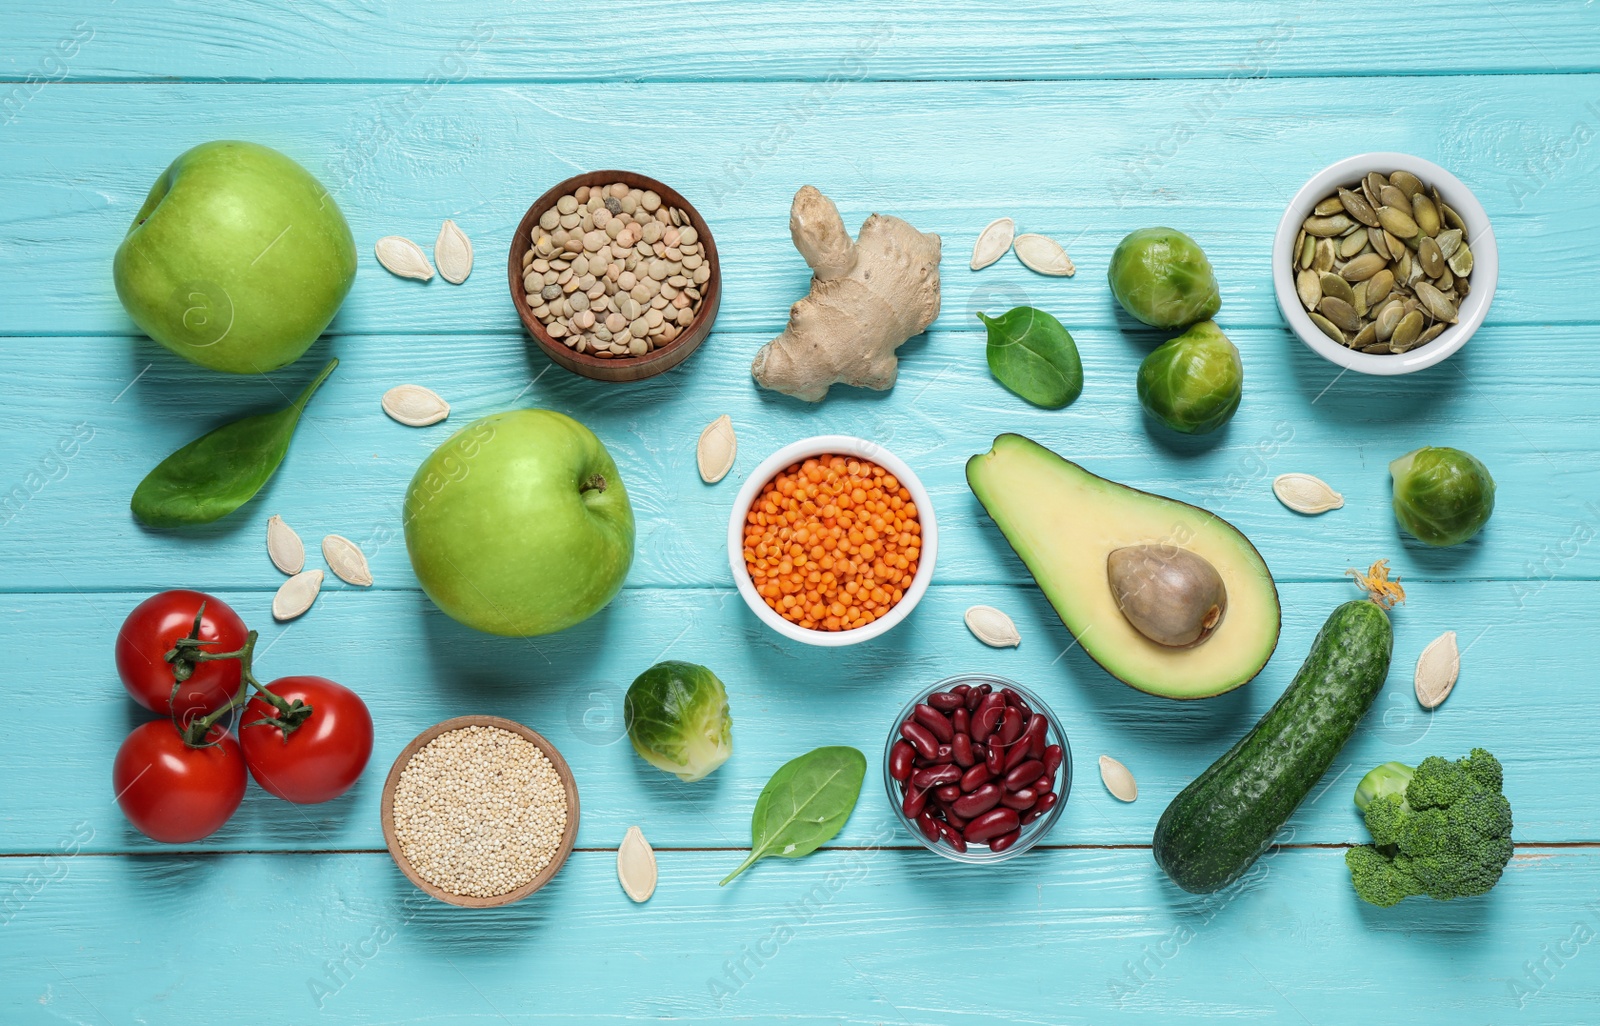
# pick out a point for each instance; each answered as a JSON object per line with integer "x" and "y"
{"x": 400, "y": 256}
{"x": 1306, "y": 494}
{"x": 993, "y": 242}
{"x": 284, "y": 547}
{"x": 1118, "y": 780}
{"x": 1043, "y": 254}
{"x": 415, "y": 406}
{"x": 717, "y": 449}
{"x": 346, "y": 559}
{"x": 1438, "y": 668}
{"x": 636, "y": 865}
{"x": 992, "y": 627}
{"x": 452, "y": 253}
{"x": 296, "y": 595}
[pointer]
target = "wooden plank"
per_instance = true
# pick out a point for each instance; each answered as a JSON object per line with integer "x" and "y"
{"x": 499, "y": 40}
{"x": 1084, "y": 161}
{"x": 1517, "y": 697}
{"x": 871, "y": 936}
{"x": 1517, "y": 397}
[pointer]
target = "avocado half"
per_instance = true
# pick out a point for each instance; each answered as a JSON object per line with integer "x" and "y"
{"x": 1064, "y": 521}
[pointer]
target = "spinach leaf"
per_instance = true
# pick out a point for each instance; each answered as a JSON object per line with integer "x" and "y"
{"x": 804, "y": 804}
{"x": 218, "y": 472}
{"x": 1031, "y": 354}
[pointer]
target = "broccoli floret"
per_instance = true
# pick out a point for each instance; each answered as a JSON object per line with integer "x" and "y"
{"x": 1443, "y": 829}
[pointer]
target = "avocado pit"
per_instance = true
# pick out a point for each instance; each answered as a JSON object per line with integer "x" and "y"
{"x": 1170, "y": 595}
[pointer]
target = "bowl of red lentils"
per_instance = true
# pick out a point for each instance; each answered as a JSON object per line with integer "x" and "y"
{"x": 832, "y": 540}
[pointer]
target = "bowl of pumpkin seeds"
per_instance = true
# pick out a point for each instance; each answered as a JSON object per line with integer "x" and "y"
{"x": 1384, "y": 263}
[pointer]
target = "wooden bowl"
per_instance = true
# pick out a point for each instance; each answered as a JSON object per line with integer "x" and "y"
{"x": 628, "y": 368}
{"x": 568, "y": 837}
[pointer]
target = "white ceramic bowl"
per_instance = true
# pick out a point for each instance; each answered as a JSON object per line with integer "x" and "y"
{"x": 1480, "y": 236}
{"x": 841, "y": 445}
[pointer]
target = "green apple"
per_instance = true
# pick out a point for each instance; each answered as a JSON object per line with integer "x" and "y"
{"x": 519, "y": 524}
{"x": 237, "y": 260}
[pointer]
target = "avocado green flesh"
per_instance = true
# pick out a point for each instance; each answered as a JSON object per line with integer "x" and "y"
{"x": 1064, "y": 521}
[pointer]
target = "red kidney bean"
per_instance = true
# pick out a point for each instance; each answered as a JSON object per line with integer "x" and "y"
{"x": 961, "y": 720}
{"x": 975, "y": 777}
{"x": 955, "y": 820}
{"x": 946, "y": 701}
{"x": 978, "y": 802}
{"x": 1044, "y": 784}
{"x": 947, "y": 792}
{"x": 934, "y": 720}
{"x": 960, "y": 751}
{"x": 1004, "y": 841}
{"x": 1011, "y": 726}
{"x": 961, "y": 689}
{"x": 990, "y": 825}
{"x": 1031, "y": 815}
{"x": 1011, "y": 696}
{"x": 921, "y": 738}
{"x": 942, "y": 755}
{"x": 952, "y": 837}
{"x": 1016, "y": 755}
{"x": 1046, "y": 802}
{"x": 1017, "y": 779}
{"x": 900, "y": 755}
{"x": 1020, "y": 800}
{"x": 987, "y": 717}
{"x": 976, "y": 695}
{"x": 1033, "y": 735}
{"x": 1052, "y": 759}
{"x": 995, "y": 762}
{"x": 930, "y": 827}
{"x": 914, "y": 802}
{"x": 933, "y": 776}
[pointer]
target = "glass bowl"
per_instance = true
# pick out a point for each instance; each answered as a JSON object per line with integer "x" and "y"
{"x": 1033, "y": 832}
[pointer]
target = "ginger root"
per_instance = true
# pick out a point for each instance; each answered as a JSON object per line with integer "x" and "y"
{"x": 867, "y": 298}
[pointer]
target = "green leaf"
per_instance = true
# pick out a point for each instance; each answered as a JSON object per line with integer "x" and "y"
{"x": 220, "y": 471}
{"x": 804, "y": 804}
{"x": 1031, "y": 354}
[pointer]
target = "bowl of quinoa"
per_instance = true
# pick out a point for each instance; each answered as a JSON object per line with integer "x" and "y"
{"x": 480, "y": 811}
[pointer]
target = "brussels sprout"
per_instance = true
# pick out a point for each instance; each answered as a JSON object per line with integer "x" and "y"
{"x": 1441, "y": 495}
{"x": 677, "y": 717}
{"x": 1162, "y": 277}
{"x": 1193, "y": 382}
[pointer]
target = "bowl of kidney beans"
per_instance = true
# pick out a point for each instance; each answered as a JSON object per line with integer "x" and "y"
{"x": 977, "y": 768}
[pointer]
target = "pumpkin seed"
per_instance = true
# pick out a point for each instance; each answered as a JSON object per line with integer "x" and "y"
{"x": 1308, "y": 249}
{"x": 1394, "y": 196}
{"x": 1378, "y": 288}
{"x": 1323, "y": 261}
{"x": 1403, "y": 269}
{"x": 1406, "y": 332}
{"x": 1438, "y": 669}
{"x": 1340, "y": 312}
{"x": 1327, "y": 227}
{"x": 1337, "y": 287}
{"x": 1328, "y": 328}
{"x": 284, "y": 547}
{"x": 1449, "y": 241}
{"x": 1372, "y": 188}
{"x": 1331, "y": 205}
{"x": 1044, "y": 255}
{"x": 1429, "y": 255}
{"x": 1367, "y": 336}
{"x": 1432, "y": 333}
{"x": 993, "y": 242}
{"x": 992, "y": 627}
{"x": 1406, "y": 182}
{"x": 1388, "y": 318}
{"x": 1363, "y": 267}
{"x": 1379, "y": 245}
{"x": 1306, "y": 494}
{"x": 1396, "y": 247}
{"x": 414, "y": 406}
{"x": 1118, "y": 780}
{"x": 1377, "y": 348}
{"x": 636, "y": 866}
{"x": 716, "y": 451}
{"x": 1451, "y": 218}
{"x": 1353, "y": 243}
{"x": 346, "y": 559}
{"x": 1397, "y": 222}
{"x": 452, "y": 252}
{"x": 1357, "y": 207}
{"x": 400, "y": 256}
{"x": 296, "y": 595}
{"x": 1434, "y": 301}
{"x": 1461, "y": 260}
{"x": 1309, "y": 285}
{"x": 1425, "y": 214}
{"x": 1360, "y": 301}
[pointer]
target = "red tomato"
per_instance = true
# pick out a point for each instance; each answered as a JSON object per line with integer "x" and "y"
{"x": 149, "y": 633}
{"x": 321, "y": 758}
{"x": 174, "y": 793}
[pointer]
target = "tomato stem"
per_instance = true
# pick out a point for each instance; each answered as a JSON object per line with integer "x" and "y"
{"x": 290, "y": 715}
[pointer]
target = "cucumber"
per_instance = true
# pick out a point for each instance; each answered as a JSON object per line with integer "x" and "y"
{"x": 1222, "y": 822}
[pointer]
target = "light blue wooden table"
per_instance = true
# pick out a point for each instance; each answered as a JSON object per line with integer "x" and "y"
{"x": 1083, "y": 121}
